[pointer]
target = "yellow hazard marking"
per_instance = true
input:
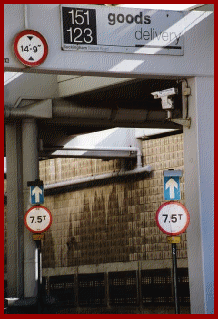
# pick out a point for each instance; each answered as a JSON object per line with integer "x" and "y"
{"x": 173, "y": 239}
{"x": 38, "y": 236}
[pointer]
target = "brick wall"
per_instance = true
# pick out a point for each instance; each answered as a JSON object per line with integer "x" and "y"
{"x": 114, "y": 222}
{"x": 61, "y": 169}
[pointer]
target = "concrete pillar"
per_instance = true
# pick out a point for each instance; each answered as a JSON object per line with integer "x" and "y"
{"x": 14, "y": 215}
{"x": 30, "y": 173}
{"x": 199, "y": 194}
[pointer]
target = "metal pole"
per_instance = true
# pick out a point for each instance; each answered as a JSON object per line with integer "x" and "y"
{"x": 39, "y": 270}
{"x": 176, "y": 298}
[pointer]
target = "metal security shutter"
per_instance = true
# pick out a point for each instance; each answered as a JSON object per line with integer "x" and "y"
{"x": 156, "y": 286}
{"x": 91, "y": 290}
{"x": 183, "y": 286}
{"x": 62, "y": 289}
{"x": 122, "y": 288}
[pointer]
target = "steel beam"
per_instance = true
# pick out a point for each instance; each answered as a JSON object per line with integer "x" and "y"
{"x": 30, "y": 173}
{"x": 199, "y": 194}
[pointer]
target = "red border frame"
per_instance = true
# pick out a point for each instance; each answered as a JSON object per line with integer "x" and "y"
{"x": 39, "y": 35}
{"x": 33, "y": 231}
{"x": 185, "y": 211}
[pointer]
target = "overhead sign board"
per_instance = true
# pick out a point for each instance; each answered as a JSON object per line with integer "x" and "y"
{"x": 38, "y": 219}
{"x": 107, "y": 29}
{"x": 172, "y": 218}
{"x": 148, "y": 36}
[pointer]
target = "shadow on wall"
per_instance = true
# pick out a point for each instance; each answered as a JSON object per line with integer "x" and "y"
{"x": 48, "y": 251}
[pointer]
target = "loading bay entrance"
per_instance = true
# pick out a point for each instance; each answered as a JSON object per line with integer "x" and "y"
{"x": 34, "y": 113}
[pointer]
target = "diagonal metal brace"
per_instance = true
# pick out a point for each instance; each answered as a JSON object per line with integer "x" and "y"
{"x": 184, "y": 122}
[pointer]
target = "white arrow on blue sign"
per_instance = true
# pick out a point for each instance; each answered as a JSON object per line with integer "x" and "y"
{"x": 172, "y": 185}
{"x": 37, "y": 195}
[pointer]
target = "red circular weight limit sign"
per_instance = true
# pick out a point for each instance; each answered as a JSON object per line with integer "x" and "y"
{"x": 172, "y": 218}
{"x": 38, "y": 219}
{"x": 30, "y": 47}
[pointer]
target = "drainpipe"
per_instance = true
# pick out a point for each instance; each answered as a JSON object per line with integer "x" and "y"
{"x": 138, "y": 170}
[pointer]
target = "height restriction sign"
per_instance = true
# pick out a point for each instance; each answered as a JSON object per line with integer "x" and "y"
{"x": 172, "y": 218}
{"x": 30, "y": 47}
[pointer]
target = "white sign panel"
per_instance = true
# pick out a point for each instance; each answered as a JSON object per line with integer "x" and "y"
{"x": 107, "y": 29}
{"x": 38, "y": 219}
{"x": 172, "y": 218}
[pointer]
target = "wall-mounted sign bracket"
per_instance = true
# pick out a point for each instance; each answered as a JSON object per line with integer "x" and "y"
{"x": 185, "y": 121}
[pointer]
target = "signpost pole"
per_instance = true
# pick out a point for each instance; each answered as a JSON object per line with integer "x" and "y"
{"x": 37, "y": 220}
{"x": 175, "y": 279}
{"x": 39, "y": 271}
{"x": 173, "y": 218}
{"x": 37, "y": 238}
